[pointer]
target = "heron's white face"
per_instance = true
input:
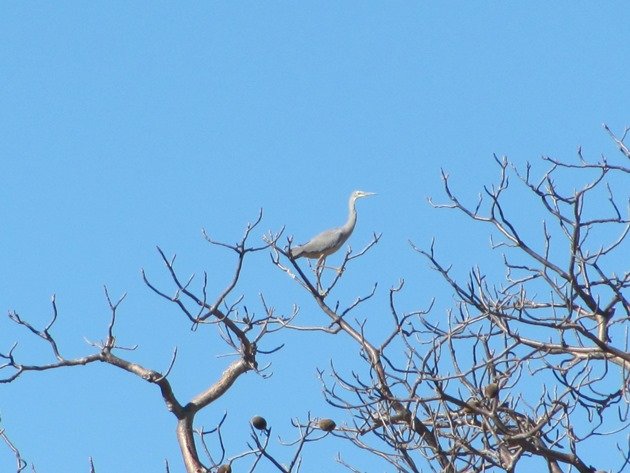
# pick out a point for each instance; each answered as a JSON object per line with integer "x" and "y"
{"x": 358, "y": 194}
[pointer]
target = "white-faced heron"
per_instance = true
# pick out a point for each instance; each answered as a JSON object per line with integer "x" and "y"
{"x": 329, "y": 241}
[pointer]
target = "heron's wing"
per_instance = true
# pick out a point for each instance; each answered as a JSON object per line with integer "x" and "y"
{"x": 327, "y": 239}
{"x": 322, "y": 243}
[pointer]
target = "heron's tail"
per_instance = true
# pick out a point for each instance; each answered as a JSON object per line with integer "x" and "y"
{"x": 296, "y": 252}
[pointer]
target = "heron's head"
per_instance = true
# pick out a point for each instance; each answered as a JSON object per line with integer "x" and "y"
{"x": 358, "y": 194}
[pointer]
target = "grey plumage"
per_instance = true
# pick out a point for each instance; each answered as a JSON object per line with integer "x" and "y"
{"x": 329, "y": 241}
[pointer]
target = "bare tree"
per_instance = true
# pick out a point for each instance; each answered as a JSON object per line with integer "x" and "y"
{"x": 529, "y": 366}
{"x": 241, "y": 333}
{"x": 535, "y": 365}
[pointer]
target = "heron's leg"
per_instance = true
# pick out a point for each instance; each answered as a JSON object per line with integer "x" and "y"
{"x": 318, "y": 272}
{"x": 321, "y": 264}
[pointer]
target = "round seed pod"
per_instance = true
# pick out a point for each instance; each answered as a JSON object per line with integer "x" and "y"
{"x": 492, "y": 390}
{"x": 259, "y": 422}
{"x": 471, "y": 403}
{"x": 327, "y": 425}
{"x": 225, "y": 469}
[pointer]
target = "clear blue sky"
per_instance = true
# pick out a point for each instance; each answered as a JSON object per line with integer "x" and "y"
{"x": 130, "y": 124}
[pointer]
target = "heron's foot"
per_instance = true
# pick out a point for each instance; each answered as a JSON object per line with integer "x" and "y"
{"x": 338, "y": 270}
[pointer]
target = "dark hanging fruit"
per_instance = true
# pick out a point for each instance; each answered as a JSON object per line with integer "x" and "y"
{"x": 259, "y": 422}
{"x": 327, "y": 425}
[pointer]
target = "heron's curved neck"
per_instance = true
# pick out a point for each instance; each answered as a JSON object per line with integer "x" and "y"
{"x": 352, "y": 216}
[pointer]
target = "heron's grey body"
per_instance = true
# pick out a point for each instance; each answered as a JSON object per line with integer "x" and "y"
{"x": 329, "y": 241}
